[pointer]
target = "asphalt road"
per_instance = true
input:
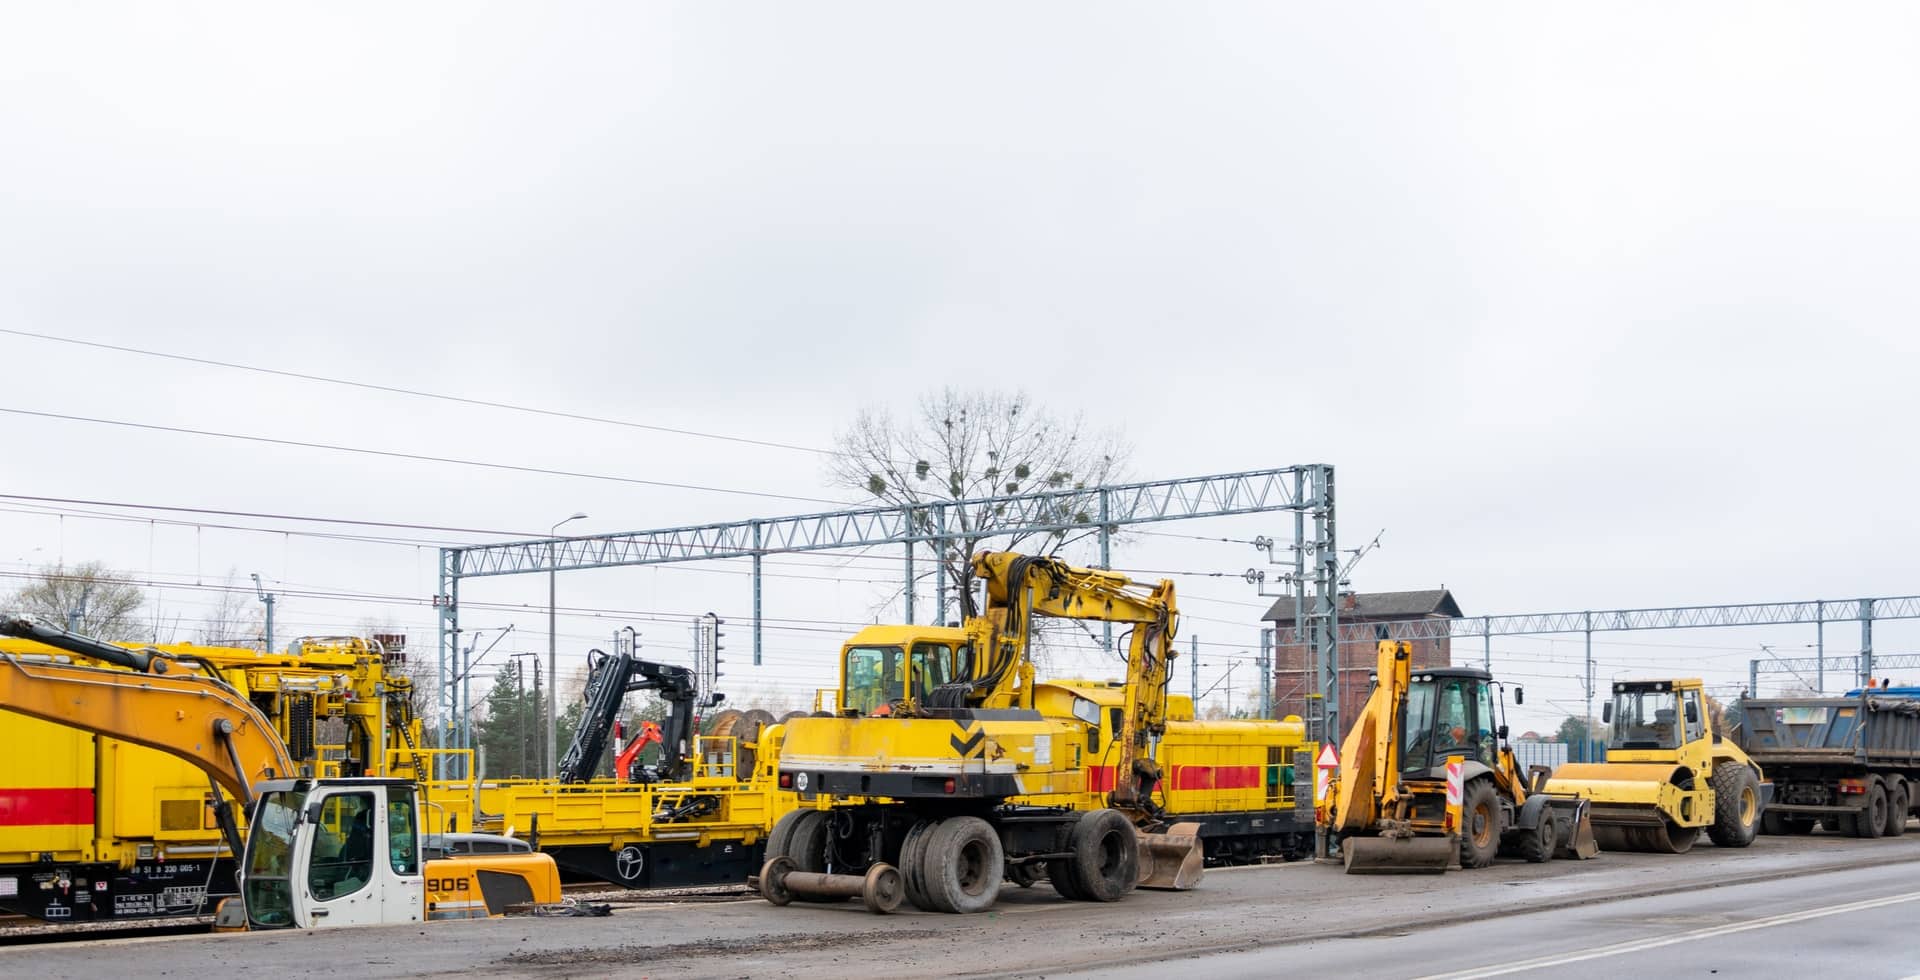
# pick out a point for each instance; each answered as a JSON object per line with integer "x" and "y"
{"x": 1240, "y": 922}
{"x": 1858, "y": 922}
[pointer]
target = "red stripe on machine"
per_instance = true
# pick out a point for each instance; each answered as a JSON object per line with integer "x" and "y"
{"x": 1215, "y": 777}
{"x": 46, "y": 806}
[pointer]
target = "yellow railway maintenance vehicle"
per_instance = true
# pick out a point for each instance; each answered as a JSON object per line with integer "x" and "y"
{"x": 1668, "y": 774}
{"x": 948, "y": 768}
{"x": 319, "y": 852}
{"x": 97, "y": 828}
{"x": 1390, "y": 808}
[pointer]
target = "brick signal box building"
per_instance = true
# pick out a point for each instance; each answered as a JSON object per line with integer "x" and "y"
{"x": 1359, "y": 614}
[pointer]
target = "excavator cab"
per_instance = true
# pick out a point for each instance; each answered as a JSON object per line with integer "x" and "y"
{"x": 333, "y": 853}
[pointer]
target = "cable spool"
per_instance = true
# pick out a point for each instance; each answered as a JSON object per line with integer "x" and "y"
{"x": 746, "y": 731}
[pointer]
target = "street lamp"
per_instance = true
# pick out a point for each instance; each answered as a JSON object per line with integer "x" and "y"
{"x": 553, "y": 649}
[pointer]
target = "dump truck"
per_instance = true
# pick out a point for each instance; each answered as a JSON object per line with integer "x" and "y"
{"x": 1389, "y": 806}
{"x": 1851, "y": 763}
{"x": 1668, "y": 774}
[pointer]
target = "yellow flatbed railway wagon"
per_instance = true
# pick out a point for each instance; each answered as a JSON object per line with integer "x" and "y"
{"x": 97, "y": 828}
{"x": 710, "y": 829}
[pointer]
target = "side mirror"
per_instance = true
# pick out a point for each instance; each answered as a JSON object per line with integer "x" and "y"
{"x": 1502, "y": 732}
{"x": 1693, "y": 713}
{"x": 313, "y": 811}
{"x": 1519, "y": 695}
{"x": 1606, "y": 712}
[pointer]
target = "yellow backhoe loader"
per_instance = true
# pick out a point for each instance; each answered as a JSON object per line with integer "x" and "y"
{"x": 317, "y": 852}
{"x": 1389, "y": 806}
{"x": 1668, "y": 774}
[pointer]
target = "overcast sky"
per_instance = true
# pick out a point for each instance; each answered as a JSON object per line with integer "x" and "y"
{"x": 1595, "y": 306}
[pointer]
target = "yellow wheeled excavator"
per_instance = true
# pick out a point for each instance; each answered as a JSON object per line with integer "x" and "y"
{"x": 316, "y": 852}
{"x": 938, "y": 763}
{"x": 1668, "y": 774}
{"x": 1389, "y": 807}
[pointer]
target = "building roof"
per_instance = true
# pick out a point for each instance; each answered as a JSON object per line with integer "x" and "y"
{"x": 1380, "y": 607}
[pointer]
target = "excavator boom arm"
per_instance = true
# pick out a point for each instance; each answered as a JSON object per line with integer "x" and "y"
{"x": 184, "y": 715}
{"x": 1021, "y": 586}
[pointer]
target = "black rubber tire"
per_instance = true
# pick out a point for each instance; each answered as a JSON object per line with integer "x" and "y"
{"x": 1871, "y": 821}
{"x": 1025, "y": 874}
{"x": 962, "y": 865}
{"x": 782, "y": 834}
{"x": 1773, "y": 825}
{"x": 807, "y": 847}
{"x": 1801, "y": 826}
{"x": 1736, "y": 805}
{"x": 1897, "y": 803}
{"x": 1480, "y": 827}
{"x": 1537, "y": 845}
{"x": 1106, "y": 856}
{"x": 1060, "y": 876}
{"x": 1836, "y": 825}
{"x": 911, "y": 850}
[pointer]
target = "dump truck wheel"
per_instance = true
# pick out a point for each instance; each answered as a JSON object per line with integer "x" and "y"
{"x": 1871, "y": 821}
{"x": 962, "y": 865}
{"x": 1773, "y": 825}
{"x": 1480, "y": 824}
{"x": 1537, "y": 845}
{"x": 1736, "y": 805}
{"x": 1801, "y": 826}
{"x": 911, "y": 851}
{"x": 1106, "y": 856}
{"x": 1896, "y": 808}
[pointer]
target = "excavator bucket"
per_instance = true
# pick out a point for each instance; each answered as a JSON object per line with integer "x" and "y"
{"x": 1171, "y": 861}
{"x": 1398, "y": 855}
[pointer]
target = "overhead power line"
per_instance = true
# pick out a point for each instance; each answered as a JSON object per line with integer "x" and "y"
{"x": 418, "y": 457}
{"x": 413, "y": 392}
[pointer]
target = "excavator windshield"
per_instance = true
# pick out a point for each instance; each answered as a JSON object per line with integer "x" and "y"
{"x": 877, "y": 675}
{"x": 269, "y": 875}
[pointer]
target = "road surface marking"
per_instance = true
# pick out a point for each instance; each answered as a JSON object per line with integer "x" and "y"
{"x": 1637, "y": 945}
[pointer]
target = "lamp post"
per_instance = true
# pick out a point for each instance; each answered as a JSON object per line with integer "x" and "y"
{"x": 553, "y": 650}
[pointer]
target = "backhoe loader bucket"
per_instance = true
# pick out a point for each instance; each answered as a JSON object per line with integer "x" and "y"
{"x": 1172, "y": 861}
{"x": 1573, "y": 826}
{"x": 1400, "y": 855}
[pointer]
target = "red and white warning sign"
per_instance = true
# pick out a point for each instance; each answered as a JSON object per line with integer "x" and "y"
{"x": 1456, "y": 767}
{"x": 1324, "y": 767}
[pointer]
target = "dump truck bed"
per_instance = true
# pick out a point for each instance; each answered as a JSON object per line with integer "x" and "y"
{"x": 1872, "y": 730}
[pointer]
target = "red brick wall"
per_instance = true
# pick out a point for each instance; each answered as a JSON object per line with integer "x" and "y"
{"x": 1293, "y": 664}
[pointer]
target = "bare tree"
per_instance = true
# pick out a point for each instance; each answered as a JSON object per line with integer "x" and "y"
{"x": 236, "y": 619}
{"x": 961, "y": 445}
{"x": 87, "y": 597}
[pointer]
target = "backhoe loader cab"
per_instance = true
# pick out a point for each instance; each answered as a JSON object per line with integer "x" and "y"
{"x": 1450, "y": 713}
{"x": 1667, "y": 775}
